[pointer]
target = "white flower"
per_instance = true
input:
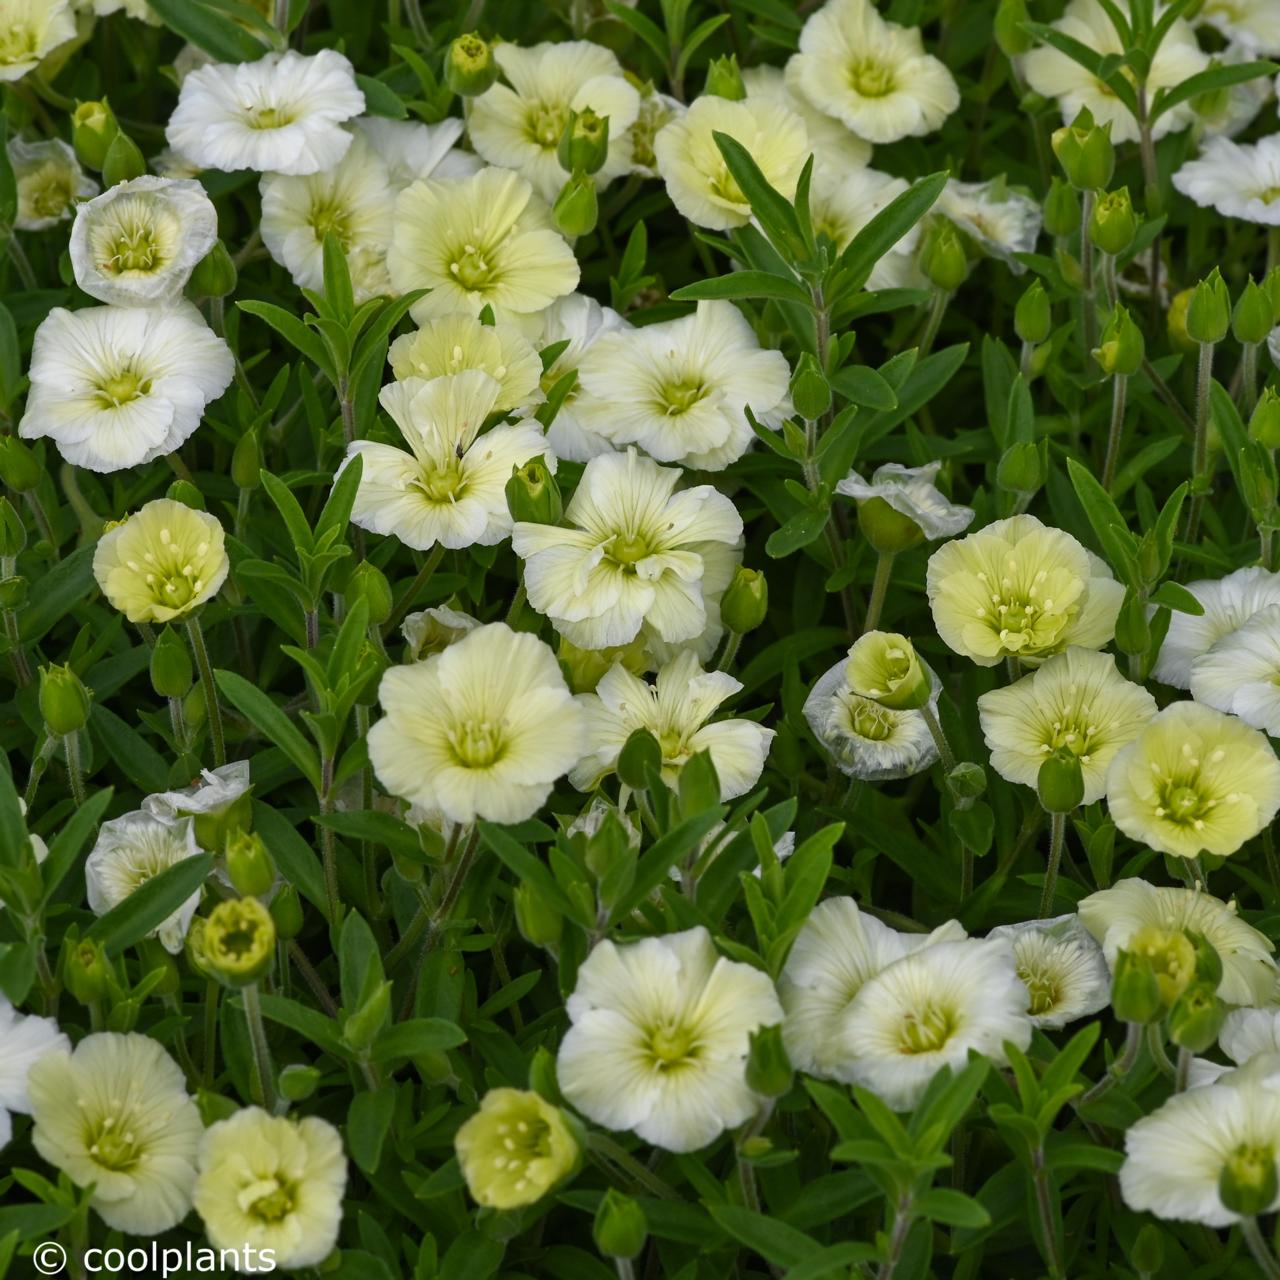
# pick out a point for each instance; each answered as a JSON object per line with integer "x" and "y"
{"x": 1241, "y": 673}
{"x": 1252, "y": 23}
{"x": 449, "y": 487}
{"x": 1228, "y": 603}
{"x": 29, "y": 29}
{"x": 843, "y": 201}
{"x": 130, "y": 851}
{"x": 114, "y": 1114}
{"x": 50, "y": 181}
{"x": 1062, "y": 967}
{"x": 911, "y": 492}
{"x": 114, "y": 387}
{"x": 483, "y": 240}
{"x": 927, "y": 1011}
{"x": 698, "y": 179}
{"x": 871, "y": 74}
{"x": 352, "y": 200}
{"x": 213, "y": 793}
{"x": 659, "y": 1039}
{"x": 675, "y": 710}
{"x": 835, "y": 953}
{"x": 1176, "y": 1157}
{"x": 578, "y": 320}
{"x": 138, "y": 243}
{"x": 1239, "y": 181}
{"x": 1249, "y": 1033}
{"x": 629, "y": 555}
{"x": 1055, "y": 75}
{"x": 24, "y": 1040}
{"x": 1232, "y": 110}
{"x": 680, "y": 389}
{"x": 412, "y": 151}
{"x": 457, "y": 342}
{"x": 432, "y": 630}
{"x": 480, "y": 730}
{"x": 280, "y": 114}
{"x": 1002, "y": 222}
{"x": 864, "y": 739}
{"x": 836, "y": 149}
{"x": 1114, "y": 915}
{"x": 518, "y": 124}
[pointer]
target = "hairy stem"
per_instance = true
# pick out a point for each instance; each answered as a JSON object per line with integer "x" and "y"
{"x": 879, "y": 589}
{"x": 212, "y": 711}
{"x": 262, "y": 1080}
{"x": 1119, "y": 386}
{"x": 1057, "y": 838}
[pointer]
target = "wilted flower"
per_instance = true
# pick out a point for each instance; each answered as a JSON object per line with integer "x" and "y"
{"x": 911, "y": 492}
{"x": 217, "y": 796}
{"x": 630, "y": 554}
{"x": 515, "y": 1149}
{"x": 1077, "y": 700}
{"x": 482, "y": 729}
{"x": 131, "y": 850}
{"x": 280, "y": 114}
{"x": 138, "y": 243}
{"x": 114, "y": 1114}
{"x": 1241, "y": 673}
{"x": 659, "y": 1038}
{"x": 50, "y": 182}
{"x": 698, "y": 179}
{"x": 1194, "y": 780}
{"x": 24, "y": 1041}
{"x": 1061, "y": 966}
{"x": 448, "y": 488}
{"x": 1020, "y": 589}
{"x": 680, "y": 389}
{"x": 1001, "y": 222}
{"x": 1115, "y": 916}
{"x": 161, "y": 562}
{"x": 115, "y": 387}
{"x": 836, "y": 951}
{"x": 32, "y": 28}
{"x": 434, "y": 630}
{"x": 871, "y": 74}
{"x": 676, "y": 710}
{"x": 272, "y": 1183}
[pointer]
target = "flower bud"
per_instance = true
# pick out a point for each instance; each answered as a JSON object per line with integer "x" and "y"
{"x": 1060, "y": 782}
{"x": 64, "y": 701}
{"x": 724, "y": 79}
{"x": 1196, "y": 1018}
{"x": 585, "y": 668}
{"x": 620, "y": 1228}
{"x": 769, "y": 1071}
{"x": 575, "y": 210}
{"x": 1147, "y": 1255}
{"x": 1085, "y": 152}
{"x": 123, "y": 160}
{"x": 1208, "y": 961}
{"x": 1133, "y": 631}
{"x": 368, "y": 583}
{"x": 1012, "y": 38}
{"x": 1264, "y": 426}
{"x": 93, "y": 130}
{"x": 542, "y": 1074}
{"x": 20, "y": 469}
{"x": 13, "y": 533}
{"x": 942, "y": 259}
{"x": 1121, "y": 349}
{"x": 171, "y": 670}
{"x": 86, "y": 971}
{"x": 1135, "y": 993}
{"x": 469, "y": 66}
{"x": 810, "y": 391}
{"x": 362, "y": 1027}
{"x": 246, "y": 461}
{"x": 298, "y": 1083}
{"x": 887, "y": 530}
{"x": 185, "y": 492}
{"x": 746, "y": 602}
{"x": 1248, "y": 1184}
{"x": 1176, "y": 322}
{"x": 215, "y": 276}
{"x": 250, "y": 867}
{"x": 1209, "y": 312}
{"x": 883, "y": 666}
{"x": 286, "y": 911}
{"x": 967, "y": 782}
{"x": 1251, "y": 321}
{"x": 538, "y": 921}
{"x": 1062, "y": 213}
{"x": 1033, "y": 317}
{"x": 584, "y": 143}
{"x": 1023, "y": 467}
{"x": 239, "y": 941}
{"x": 533, "y": 494}
{"x": 1113, "y": 224}
{"x": 155, "y": 958}
{"x": 640, "y": 755}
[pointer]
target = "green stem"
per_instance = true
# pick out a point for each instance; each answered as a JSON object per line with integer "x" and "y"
{"x": 415, "y": 589}
{"x": 934, "y": 725}
{"x": 1057, "y": 838}
{"x": 17, "y": 654}
{"x": 71, "y": 745}
{"x": 1089, "y": 328}
{"x": 746, "y": 1170}
{"x": 1119, "y": 1068}
{"x": 1044, "y": 1208}
{"x": 1248, "y": 380}
{"x": 41, "y": 518}
{"x": 212, "y": 994}
{"x": 1182, "y": 1071}
{"x": 1258, "y": 1246}
{"x": 212, "y": 711}
{"x": 617, "y": 1155}
{"x": 178, "y": 723}
{"x": 262, "y": 1080}
{"x": 897, "y": 1237}
{"x": 1200, "y": 449}
{"x": 517, "y": 604}
{"x": 1269, "y": 848}
{"x": 1155, "y": 1043}
{"x": 732, "y": 641}
{"x": 879, "y": 589}
{"x": 937, "y": 309}
{"x": 328, "y": 843}
{"x": 1119, "y": 386}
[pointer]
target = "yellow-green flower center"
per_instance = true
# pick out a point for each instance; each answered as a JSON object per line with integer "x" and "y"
{"x": 113, "y": 1145}
{"x": 1044, "y": 988}
{"x": 268, "y": 1200}
{"x": 170, "y": 569}
{"x": 520, "y": 1149}
{"x": 19, "y": 42}
{"x": 926, "y": 1031}
{"x": 545, "y": 122}
{"x": 671, "y": 1046}
{"x": 270, "y": 118}
{"x": 444, "y": 484}
{"x": 326, "y": 216}
{"x": 869, "y": 719}
{"x": 1077, "y": 736}
{"x": 477, "y": 744}
{"x": 133, "y": 248}
{"x": 872, "y": 79}
{"x": 1251, "y": 1164}
{"x": 1026, "y": 620}
{"x": 122, "y": 388}
{"x": 626, "y": 549}
{"x": 471, "y": 269}
{"x": 679, "y": 397}
{"x": 1184, "y": 797}
{"x": 47, "y": 193}
{"x": 1172, "y": 958}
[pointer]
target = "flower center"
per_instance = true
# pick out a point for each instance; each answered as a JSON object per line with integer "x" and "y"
{"x": 627, "y": 549}
{"x": 329, "y": 216}
{"x": 18, "y": 42}
{"x": 121, "y": 388}
{"x": 471, "y": 269}
{"x": 680, "y": 397}
{"x": 132, "y": 249}
{"x": 1044, "y": 989}
{"x": 545, "y": 123}
{"x": 871, "y": 79}
{"x": 671, "y": 1045}
{"x": 172, "y": 573}
{"x": 477, "y": 744}
{"x": 869, "y": 719}
{"x": 1270, "y": 195}
{"x": 523, "y": 1145}
{"x": 269, "y": 118}
{"x": 48, "y": 193}
{"x": 1025, "y": 621}
{"x": 1181, "y": 790}
{"x": 441, "y": 484}
{"x": 114, "y": 1147}
{"x": 268, "y": 1200}
{"x": 1172, "y": 958}
{"x": 1075, "y": 736}
{"x": 926, "y": 1031}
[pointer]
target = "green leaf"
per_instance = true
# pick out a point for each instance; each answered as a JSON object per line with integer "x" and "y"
{"x": 295, "y": 857}
{"x": 293, "y": 331}
{"x": 773, "y": 211}
{"x": 337, "y": 279}
{"x": 1118, "y": 543}
{"x": 211, "y": 31}
{"x": 1087, "y": 58}
{"x": 381, "y": 99}
{"x": 644, "y": 27}
{"x": 799, "y": 531}
{"x": 267, "y": 717}
{"x": 1219, "y": 77}
{"x": 1177, "y": 598}
{"x": 745, "y": 284}
{"x": 13, "y": 826}
{"x": 866, "y": 387}
{"x": 771, "y": 1238}
{"x": 140, "y": 762}
{"x": 148, "y": 907}
{"x": 951, "y": 1209}
{"x": 418, "y": 1036}
{"x": 70, "y": 582}
{"x": 529, "y": 869}
{"x": 65, "y": 848}
{"x": 368, "y": 1120}
{"x": 889, "y": 226}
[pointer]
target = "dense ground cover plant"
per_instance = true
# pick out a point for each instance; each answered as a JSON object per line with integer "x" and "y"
{"x": 640, "y": 638}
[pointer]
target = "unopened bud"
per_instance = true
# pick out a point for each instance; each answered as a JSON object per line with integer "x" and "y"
{"x": 1135, "y": 993}
{"x": 64, "y": 701}
{"x": 1060, "y": 782}
{"x": 1033, "y": 317}
{"x": 20, "y": 469}
{"x": 1264, "y": 425}
{"x": 1023, "y": 467}
{"x": 86, "y": 971}
{"x": 123, "y": 160}
{"x": 943, "y": 259}
{"x": 575, "y": 211}
{"x": 1147, "y": 1255}
{"x": 362, "y": 1027}
{"x": 1176, "y": 322}
{"x": 1133, "y": 630}
{"x": 769, "y": 1071}
{"x": 533, "y": 496}
{"x": 620, "y": 1228}
{"x": 1085, "y": 152}
{"x": 286, "y": 911}
{"x": 1121, "y": 349}
{"x": 368, "y": 583}
{"x": 584, "y": 143}
{"x": 746, "y": 602}
{"x": 1172, "y": 957}
{"x": 298, "y": 1083}
{"x": 93, "y": 130}
{"x": 1062, "y": 212}
{"x": 724, "y": 79}
{"x": 1251, "y": 321}
{"x": 810, "y": 391}
{"x": 185, "y": 492}
{"x": 13, "y": 533}
{"x": 1113, "y": 224}
{"x": 1209, "y": 312}
{"x": 249, "y": 865}
{"x": 1196, "y": 1018}
{"x": 215, "y": 276}
{"x": 239, "y": 941}
{"x": 967, "y": 782}
{"x": 470, "y": 67}
{"x": 171, "y": 669}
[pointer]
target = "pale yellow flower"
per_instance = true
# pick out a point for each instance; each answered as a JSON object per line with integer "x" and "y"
{"x": 29, "y": 29}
